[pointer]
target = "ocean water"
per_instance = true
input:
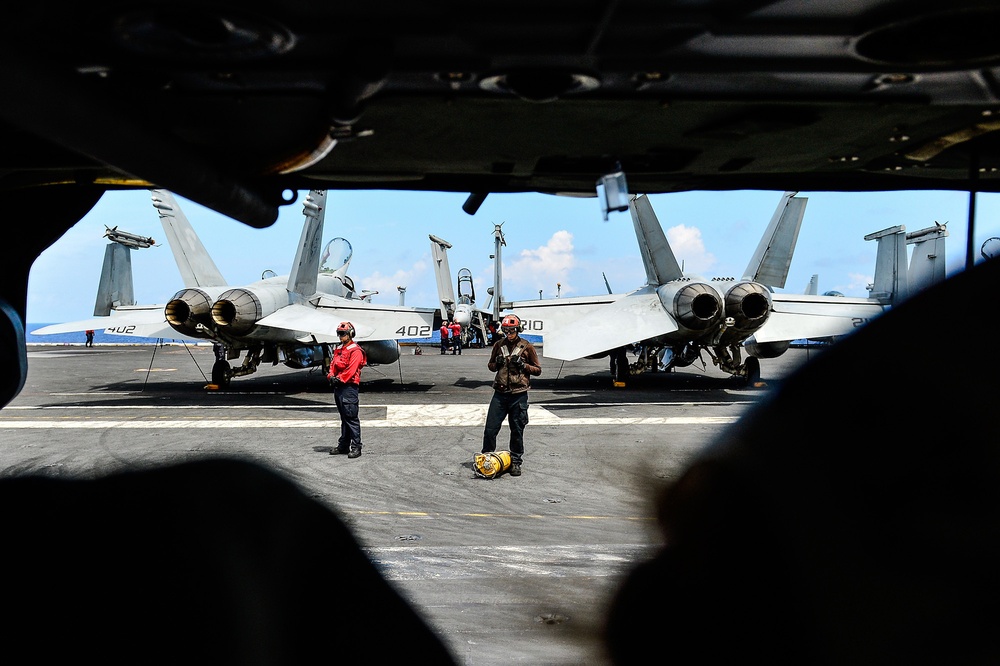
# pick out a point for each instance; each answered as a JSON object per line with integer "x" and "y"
{"x": 102, "y": 338}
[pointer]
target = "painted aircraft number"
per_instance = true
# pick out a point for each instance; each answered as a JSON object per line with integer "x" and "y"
{"x": 414, "y": 331}
{"x": 121, "y": 330}
{"x": 859, "y": 321}
{"x": 533, "y": 324}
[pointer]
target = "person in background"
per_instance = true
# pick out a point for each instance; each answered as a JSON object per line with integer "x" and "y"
{"x": 345, "y": 376}
{"x": 514, "y": 359}
{"x": 456, "y": 337}
{"x": 619, "y": 367}
{"x": 445, "y": 333}
{"x": 90, "y": 338}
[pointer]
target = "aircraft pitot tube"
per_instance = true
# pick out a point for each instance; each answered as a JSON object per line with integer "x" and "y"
{"x": 695, "y": 306}
{"x": 187, "y": 309}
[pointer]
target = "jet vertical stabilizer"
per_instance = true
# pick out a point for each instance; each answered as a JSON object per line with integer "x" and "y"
{"x": 770, "y": 262}
{"x": 193, "y": 261}
{"x": 115, "y": 289}
{"x": 927, "y": 260}
{"x": 890, "y": 284}
{"x": 442, "y": 273}
{"x": 190, "y": 308}
{"x": 657, "y": 257}
{"x": 305, "y": 266}
{"x": 813, "y": 287}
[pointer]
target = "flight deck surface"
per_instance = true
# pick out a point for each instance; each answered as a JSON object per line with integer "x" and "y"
{"x": 505, "y": 570}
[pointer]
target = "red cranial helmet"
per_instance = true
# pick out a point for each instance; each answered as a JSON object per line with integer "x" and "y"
{"x": 510, "y": 322}
{"x": 346, "y": 327}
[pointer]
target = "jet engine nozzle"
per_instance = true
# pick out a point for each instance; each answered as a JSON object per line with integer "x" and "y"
{"x": 695, "y": 306}
{"x": 749, "y": 304}
{"x": 238, "y": 310}
{"x": 187, "y": 309}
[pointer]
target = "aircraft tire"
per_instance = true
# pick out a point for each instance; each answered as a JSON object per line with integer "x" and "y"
{"x": 220, "y": 373}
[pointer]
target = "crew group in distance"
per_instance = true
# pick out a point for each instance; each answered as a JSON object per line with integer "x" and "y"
{"x": 451, "y": 337}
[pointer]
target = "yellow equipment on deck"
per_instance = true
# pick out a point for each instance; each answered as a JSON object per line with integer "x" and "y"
{"x": 493, "y": 464}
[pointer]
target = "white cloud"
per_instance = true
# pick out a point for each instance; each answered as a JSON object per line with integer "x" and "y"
{"x": 857, "y": 282}
{"x": 689, "y": 248}
{"x": 544, "y": 267}
{"x": 386, "y": 285}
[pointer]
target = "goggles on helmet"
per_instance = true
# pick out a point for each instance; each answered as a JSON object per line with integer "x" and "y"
{"x": 509, "y": 329}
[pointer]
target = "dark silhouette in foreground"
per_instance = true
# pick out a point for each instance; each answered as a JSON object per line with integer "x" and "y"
{"x": 217, "y": 561}
{"x": 851, "y": 518}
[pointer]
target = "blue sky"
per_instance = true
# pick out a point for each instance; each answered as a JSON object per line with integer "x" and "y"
{"x": 550, "y": 241}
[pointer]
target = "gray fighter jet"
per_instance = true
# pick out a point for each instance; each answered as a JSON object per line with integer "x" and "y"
{"x": 676, "y": 318}
{"x": 288, "y": 319}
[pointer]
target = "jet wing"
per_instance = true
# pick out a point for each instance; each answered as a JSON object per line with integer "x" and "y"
{"x": 798, "y": 316}
{"x": 636, "y": 316}
{"x": 371, "y": 322}
{"x": 141, "y": 321}
{"x": 546, "y": 315}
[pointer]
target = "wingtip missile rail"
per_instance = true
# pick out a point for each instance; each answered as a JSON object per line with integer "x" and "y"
{"x": 127, "y": 239}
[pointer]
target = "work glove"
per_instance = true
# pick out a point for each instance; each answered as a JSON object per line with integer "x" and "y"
{"x": 501, "y": 361}
{"x": 335, "y": 382}
{"x": 516, "y": 364}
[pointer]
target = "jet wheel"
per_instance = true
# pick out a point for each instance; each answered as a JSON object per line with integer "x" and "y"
{"x": 220, "y": 373}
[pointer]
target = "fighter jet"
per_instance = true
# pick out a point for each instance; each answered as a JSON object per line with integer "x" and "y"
{"x": 676, "y": 318}
{"x": 289, "y": 319}
{"x": 463, "y": 309}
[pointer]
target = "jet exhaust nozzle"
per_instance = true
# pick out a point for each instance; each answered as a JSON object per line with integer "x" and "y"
{"x": 187, "y": 309}
{"x": 696, "y": 306}
{"x": 749, "y": 304}
{"x": 238, "y": 310}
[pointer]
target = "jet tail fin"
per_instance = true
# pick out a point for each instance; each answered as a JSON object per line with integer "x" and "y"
{"x": 305, "y": 268}
{"x": 813, "y": 287}
{"x": 442, "y": 273}
{"x": 770, "y": 262}
{"x": 927, "y": 260}
{"x": 890, "y": 284}
{"x": 657, "y": 257}
{"x": 193, "y": 261}
{"x": 115, "y": 289}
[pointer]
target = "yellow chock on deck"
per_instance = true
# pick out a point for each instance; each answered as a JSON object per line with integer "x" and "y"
{"x": 619, "y": 384}
{"x": 490, "y": 465}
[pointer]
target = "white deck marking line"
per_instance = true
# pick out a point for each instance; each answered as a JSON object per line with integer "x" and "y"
{"x": 476, "y": 562}
{"x": 397, "y": 416}
{"x": 331, "y": 406}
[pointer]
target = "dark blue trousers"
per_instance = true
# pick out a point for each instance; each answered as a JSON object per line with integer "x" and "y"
{"x": 513, "y": 407}
{"x": 346, "y": 396}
